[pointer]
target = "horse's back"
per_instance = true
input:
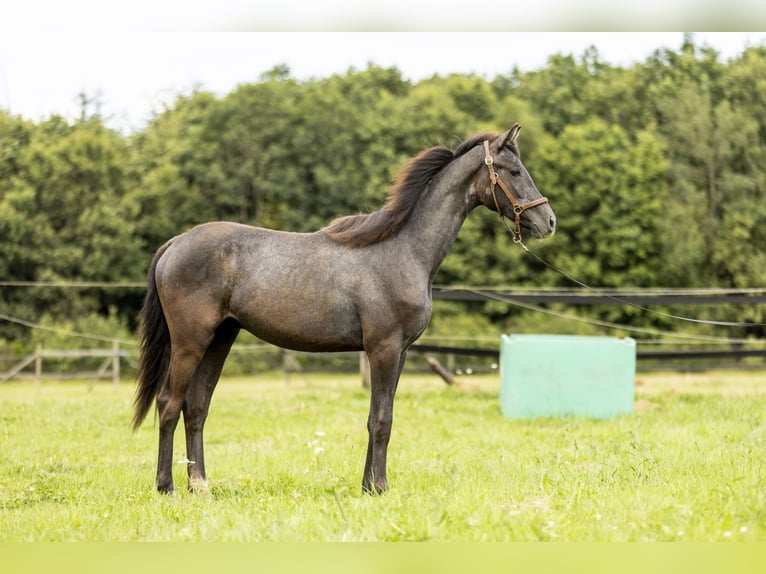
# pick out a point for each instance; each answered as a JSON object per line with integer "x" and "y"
{"x": 296, "y": 290}
{"x": 204, "y": 260}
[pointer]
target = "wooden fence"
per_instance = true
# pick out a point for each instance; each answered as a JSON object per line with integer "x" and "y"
{"x": 641, "y": 354}
{"x": 31, "y": 366}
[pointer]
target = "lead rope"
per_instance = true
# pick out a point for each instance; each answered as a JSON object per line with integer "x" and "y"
{"x": 634, "y": 305}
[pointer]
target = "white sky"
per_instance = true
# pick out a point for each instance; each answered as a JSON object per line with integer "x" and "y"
{"x": 42, "y": 71}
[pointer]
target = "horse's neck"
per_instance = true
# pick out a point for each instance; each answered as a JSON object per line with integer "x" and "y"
{"x": 433, "y": 227}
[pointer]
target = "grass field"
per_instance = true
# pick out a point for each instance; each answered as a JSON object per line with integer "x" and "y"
{"x": 285, "y": 463}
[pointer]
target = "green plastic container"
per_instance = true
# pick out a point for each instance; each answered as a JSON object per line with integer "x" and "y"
{"x": 556, "y": 375}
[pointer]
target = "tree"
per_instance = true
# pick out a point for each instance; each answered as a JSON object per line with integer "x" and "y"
{"x": 64, "y": 215}
{"x": 165, "y": 156}
{"x": 657, "y": 173}
{"x": 609, "y": 193}
{"x": 566, "y": 91}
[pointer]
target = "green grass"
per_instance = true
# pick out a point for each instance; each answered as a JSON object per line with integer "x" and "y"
{"x": 285, "y": 462}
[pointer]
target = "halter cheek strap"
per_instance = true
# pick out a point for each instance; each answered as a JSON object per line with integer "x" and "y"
{"x": 518, "y": 209}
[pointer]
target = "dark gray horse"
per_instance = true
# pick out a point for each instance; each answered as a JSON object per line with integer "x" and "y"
{"x": 361, "y": 283}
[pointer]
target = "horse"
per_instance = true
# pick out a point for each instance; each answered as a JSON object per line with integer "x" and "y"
{"x": 362, "y": 283}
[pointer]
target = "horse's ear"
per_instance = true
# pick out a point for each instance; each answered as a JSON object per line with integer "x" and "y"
{"x": 509, "y": 138}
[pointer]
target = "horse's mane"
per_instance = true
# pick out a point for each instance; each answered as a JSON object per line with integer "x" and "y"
{"x": 368, "y": 228}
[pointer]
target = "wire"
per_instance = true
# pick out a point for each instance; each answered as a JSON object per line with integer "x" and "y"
{"x": 77, "y": 284}
{"x": 622, "y": 291}
{"x": 58, "y": 331}
{"x": 610, "y": 325}
{"x": 641, "y": 307}
{"x": 616, "y": 291}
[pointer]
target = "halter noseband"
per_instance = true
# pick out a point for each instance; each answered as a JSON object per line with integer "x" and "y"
{"x": 518, "y": 208}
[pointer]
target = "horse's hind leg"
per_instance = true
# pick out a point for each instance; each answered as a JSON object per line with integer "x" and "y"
{"x": 170, "y": 399}
{"x": 197, "y": 403}
{"x": 190, "y": 340}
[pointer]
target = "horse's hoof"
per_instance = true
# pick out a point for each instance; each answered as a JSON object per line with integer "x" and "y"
{"x": 374, "y": 489}
{"x": 166, "y": 489}
{"x": 198, "y": 486}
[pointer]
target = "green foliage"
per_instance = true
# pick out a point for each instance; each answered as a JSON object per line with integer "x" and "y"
{"x": 657, "y": 173}
{"x": 57, "y": 334}
{"x": 91, "y": 331}
{"x": 610, "y": 192}
{"x": 168, "y": 197}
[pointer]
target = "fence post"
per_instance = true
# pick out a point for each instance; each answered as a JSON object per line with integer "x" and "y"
{"x": 116, "y": 364}
{"x": 38, "y": 364}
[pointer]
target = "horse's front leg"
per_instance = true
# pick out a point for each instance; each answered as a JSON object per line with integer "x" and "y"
{"x": 386, "y": 364}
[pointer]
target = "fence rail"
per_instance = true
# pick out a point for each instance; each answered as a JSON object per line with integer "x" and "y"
{"x": 109, "y": 368}
{"x": 669, "y": 354}
{"x": 32, "y": 365}
{"x": 607, "y": 296}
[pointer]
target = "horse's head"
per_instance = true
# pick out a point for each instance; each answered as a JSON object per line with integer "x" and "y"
{"x": 504, "y": 185}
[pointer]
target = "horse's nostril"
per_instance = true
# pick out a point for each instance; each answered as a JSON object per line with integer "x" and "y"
{"x": 552, "y": 222}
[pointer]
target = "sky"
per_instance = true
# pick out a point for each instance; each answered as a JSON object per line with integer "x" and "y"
{"x": 134, "y": 73}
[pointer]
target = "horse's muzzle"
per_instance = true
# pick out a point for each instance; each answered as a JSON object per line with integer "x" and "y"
{"x": 541, "y": 225}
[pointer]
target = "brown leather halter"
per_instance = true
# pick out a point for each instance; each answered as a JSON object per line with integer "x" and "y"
{"x": 518, "y": 208}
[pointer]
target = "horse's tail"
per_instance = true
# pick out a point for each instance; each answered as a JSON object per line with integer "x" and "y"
{"x": 154, "y": 362}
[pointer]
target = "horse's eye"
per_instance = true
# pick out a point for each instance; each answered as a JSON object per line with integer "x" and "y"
{"x": 515, "y": 172}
